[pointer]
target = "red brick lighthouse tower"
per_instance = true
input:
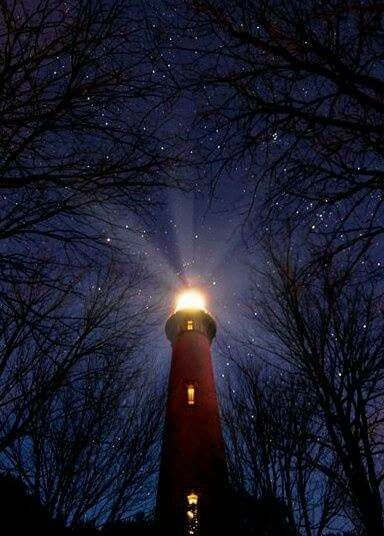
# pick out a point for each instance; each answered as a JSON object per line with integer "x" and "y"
{"x": 193, "y": 472}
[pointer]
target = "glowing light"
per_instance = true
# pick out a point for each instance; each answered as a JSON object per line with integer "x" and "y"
{"x": 192, "y": 498}
{"x": 192, "y": 514}
{"x": 190, "y": 299}
{"x": 191, "y": 395}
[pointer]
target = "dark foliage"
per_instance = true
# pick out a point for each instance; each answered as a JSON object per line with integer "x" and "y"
{"x": 19, "y": 512}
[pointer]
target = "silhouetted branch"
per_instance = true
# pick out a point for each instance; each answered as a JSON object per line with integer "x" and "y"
{"x": 293, "y": 103}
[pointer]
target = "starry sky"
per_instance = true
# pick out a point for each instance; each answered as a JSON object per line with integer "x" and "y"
{"x": 208, "y": 233}
{"x": 197, "y": 237}
{"x": 196, "y": 242}
{"x": 194, "y": 237}
{"x": 201, "y": 238}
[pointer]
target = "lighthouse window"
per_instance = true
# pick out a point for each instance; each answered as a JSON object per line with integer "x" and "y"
{"x": 189, "y": 325}
{"x": 190, "y": 394}
{"x": 192, "y": 498}
{"x": 192, "y": 514}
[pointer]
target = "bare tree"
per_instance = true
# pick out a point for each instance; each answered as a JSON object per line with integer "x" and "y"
{"x": 324, "y": 324}
{"x": 48, "y": 330}
{"x": 81, "y": 144}
{"x": 91, "y": 450}
{"x": 81, "y": 121}
{"x": 292, "y": 98}
{"x": 272, "y": 429}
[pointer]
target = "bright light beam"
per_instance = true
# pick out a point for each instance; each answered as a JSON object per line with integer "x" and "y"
{"x": 190, "y": 299}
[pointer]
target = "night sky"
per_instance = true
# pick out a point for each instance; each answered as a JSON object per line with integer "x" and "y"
{"x": 162, "y": 187}
{"x": 198, "y": 237}
{"x": 209, "y": 239}
{"x": 196, "y": 242}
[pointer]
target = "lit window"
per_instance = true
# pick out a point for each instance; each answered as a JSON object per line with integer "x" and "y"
{"x": 190, "y": 325}
{"x": 192, "y": 498}
{"x": 192, "y": 514}
{"x": 191, "y": 394}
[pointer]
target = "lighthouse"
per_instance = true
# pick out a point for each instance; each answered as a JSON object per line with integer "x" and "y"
{"x": 193, "y": 477}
